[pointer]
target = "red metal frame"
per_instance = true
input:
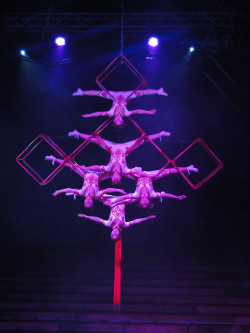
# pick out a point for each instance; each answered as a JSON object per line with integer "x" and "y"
{"x": 114, "y": 65}
{"x": 146, "y": 136}
{"x": 210, "y": 153}
{"x": 21, "y": 159}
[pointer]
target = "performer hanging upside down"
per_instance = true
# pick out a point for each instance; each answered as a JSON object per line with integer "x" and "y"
{"x": 144, "y": 189}
{"x": 116, "y": 218}
{"x": 120, "y": 100}
{"x": 90, "y": 188}
{"x": 119, "y": 151}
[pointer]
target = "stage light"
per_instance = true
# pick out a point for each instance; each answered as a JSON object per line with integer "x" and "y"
{"x": 60, "y": 41}
{"x": 22, "y": 52}
{"x": 153, "y": 41}
{"x": 191, "y": 49}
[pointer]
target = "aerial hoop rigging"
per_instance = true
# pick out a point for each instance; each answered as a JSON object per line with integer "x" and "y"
{"x": 117, "y": 166}
{"x": 122, "y": 28}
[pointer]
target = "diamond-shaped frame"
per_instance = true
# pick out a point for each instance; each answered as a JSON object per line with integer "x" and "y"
{"x": 210, "y": 153}
{"x": 21, "y": 159}
{"x": 113, "y": 66}
{"x": 144, "y": 135}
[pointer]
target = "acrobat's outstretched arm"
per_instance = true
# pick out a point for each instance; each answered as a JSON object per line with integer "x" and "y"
{"x": 128, "y": 224}
{"x": 96, "y": 114}
{"x": 140, "y": 111}
{"x": 95, "y": 218}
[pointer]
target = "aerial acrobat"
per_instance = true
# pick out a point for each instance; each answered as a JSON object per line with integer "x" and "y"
{"x": 90, "y": 188}
{"x": 116, "y": 219}
{"x": 117, "y": 165}
{"x": 144, "y": 189}
{"x": 120, "y": 100}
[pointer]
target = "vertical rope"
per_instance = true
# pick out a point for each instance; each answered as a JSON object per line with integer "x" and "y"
{"x": 122, "y": 34}
{"x": 47, "y": 20}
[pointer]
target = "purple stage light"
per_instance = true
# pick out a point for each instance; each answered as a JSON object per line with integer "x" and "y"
{"x": 153, "y": 41}
{"x": 60, "y": 41}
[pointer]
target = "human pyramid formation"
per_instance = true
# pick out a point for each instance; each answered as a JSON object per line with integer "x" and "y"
{"x": 117, "y": 166}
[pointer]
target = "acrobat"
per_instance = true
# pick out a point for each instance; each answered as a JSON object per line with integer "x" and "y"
{"x": 120, "y": 100}
{"x": 144, "y": 189}
{"x": 116, "y": 219}
{"x": 117, "y": 165}
{"x": 90, "y": 188}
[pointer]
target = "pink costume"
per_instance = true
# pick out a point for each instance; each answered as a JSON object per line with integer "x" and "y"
{"x": 117, "y": 165}
{"x": 145, "y": 190}
{"x": 116, "y": 219}
{"x": 90, "y": 188}
{"x": 120, "y": 100}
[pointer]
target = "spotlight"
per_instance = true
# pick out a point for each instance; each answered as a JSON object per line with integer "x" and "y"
{"x": 60, "y": 41}
{"x": 22, "y": 52}
{"x": 191, "y": 49}
{"x": 153, "y": 41}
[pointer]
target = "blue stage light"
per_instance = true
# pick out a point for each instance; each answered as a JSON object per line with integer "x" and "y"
{"x": 60, "y": 41}
{"x": 191, "y": 49}
{"x": 153, "y": 41}
{"x": 22, "y": 52}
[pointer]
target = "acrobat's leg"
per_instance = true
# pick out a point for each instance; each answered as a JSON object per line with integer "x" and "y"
{"x": 167, "y": 195}
{"x": 57, "y": 160}
{"x": 158, "y": 135}
{"x": 131, "y": 145}
{"x": 94, "y": 218}
{"x": 127, "y": 224}
{"x": 111, "y": 190}
{"x": 154, "y": 92}
{"x": 68, "y": 191}
{"x": 119, "y": 200}
{"x": 78, "y": 135}
{"x": 140, "y": 111}
{"x": 190, "y": 168}
{"x": 81, "y": 92}
{"x": 76, "y": 168}
{"x": 105, "y": 144}
{"x": 96, "y": 114}
{"x": 95, "y": 168}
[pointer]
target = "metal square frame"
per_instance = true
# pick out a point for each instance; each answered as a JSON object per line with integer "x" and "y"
{"x": 210, "y": 153}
